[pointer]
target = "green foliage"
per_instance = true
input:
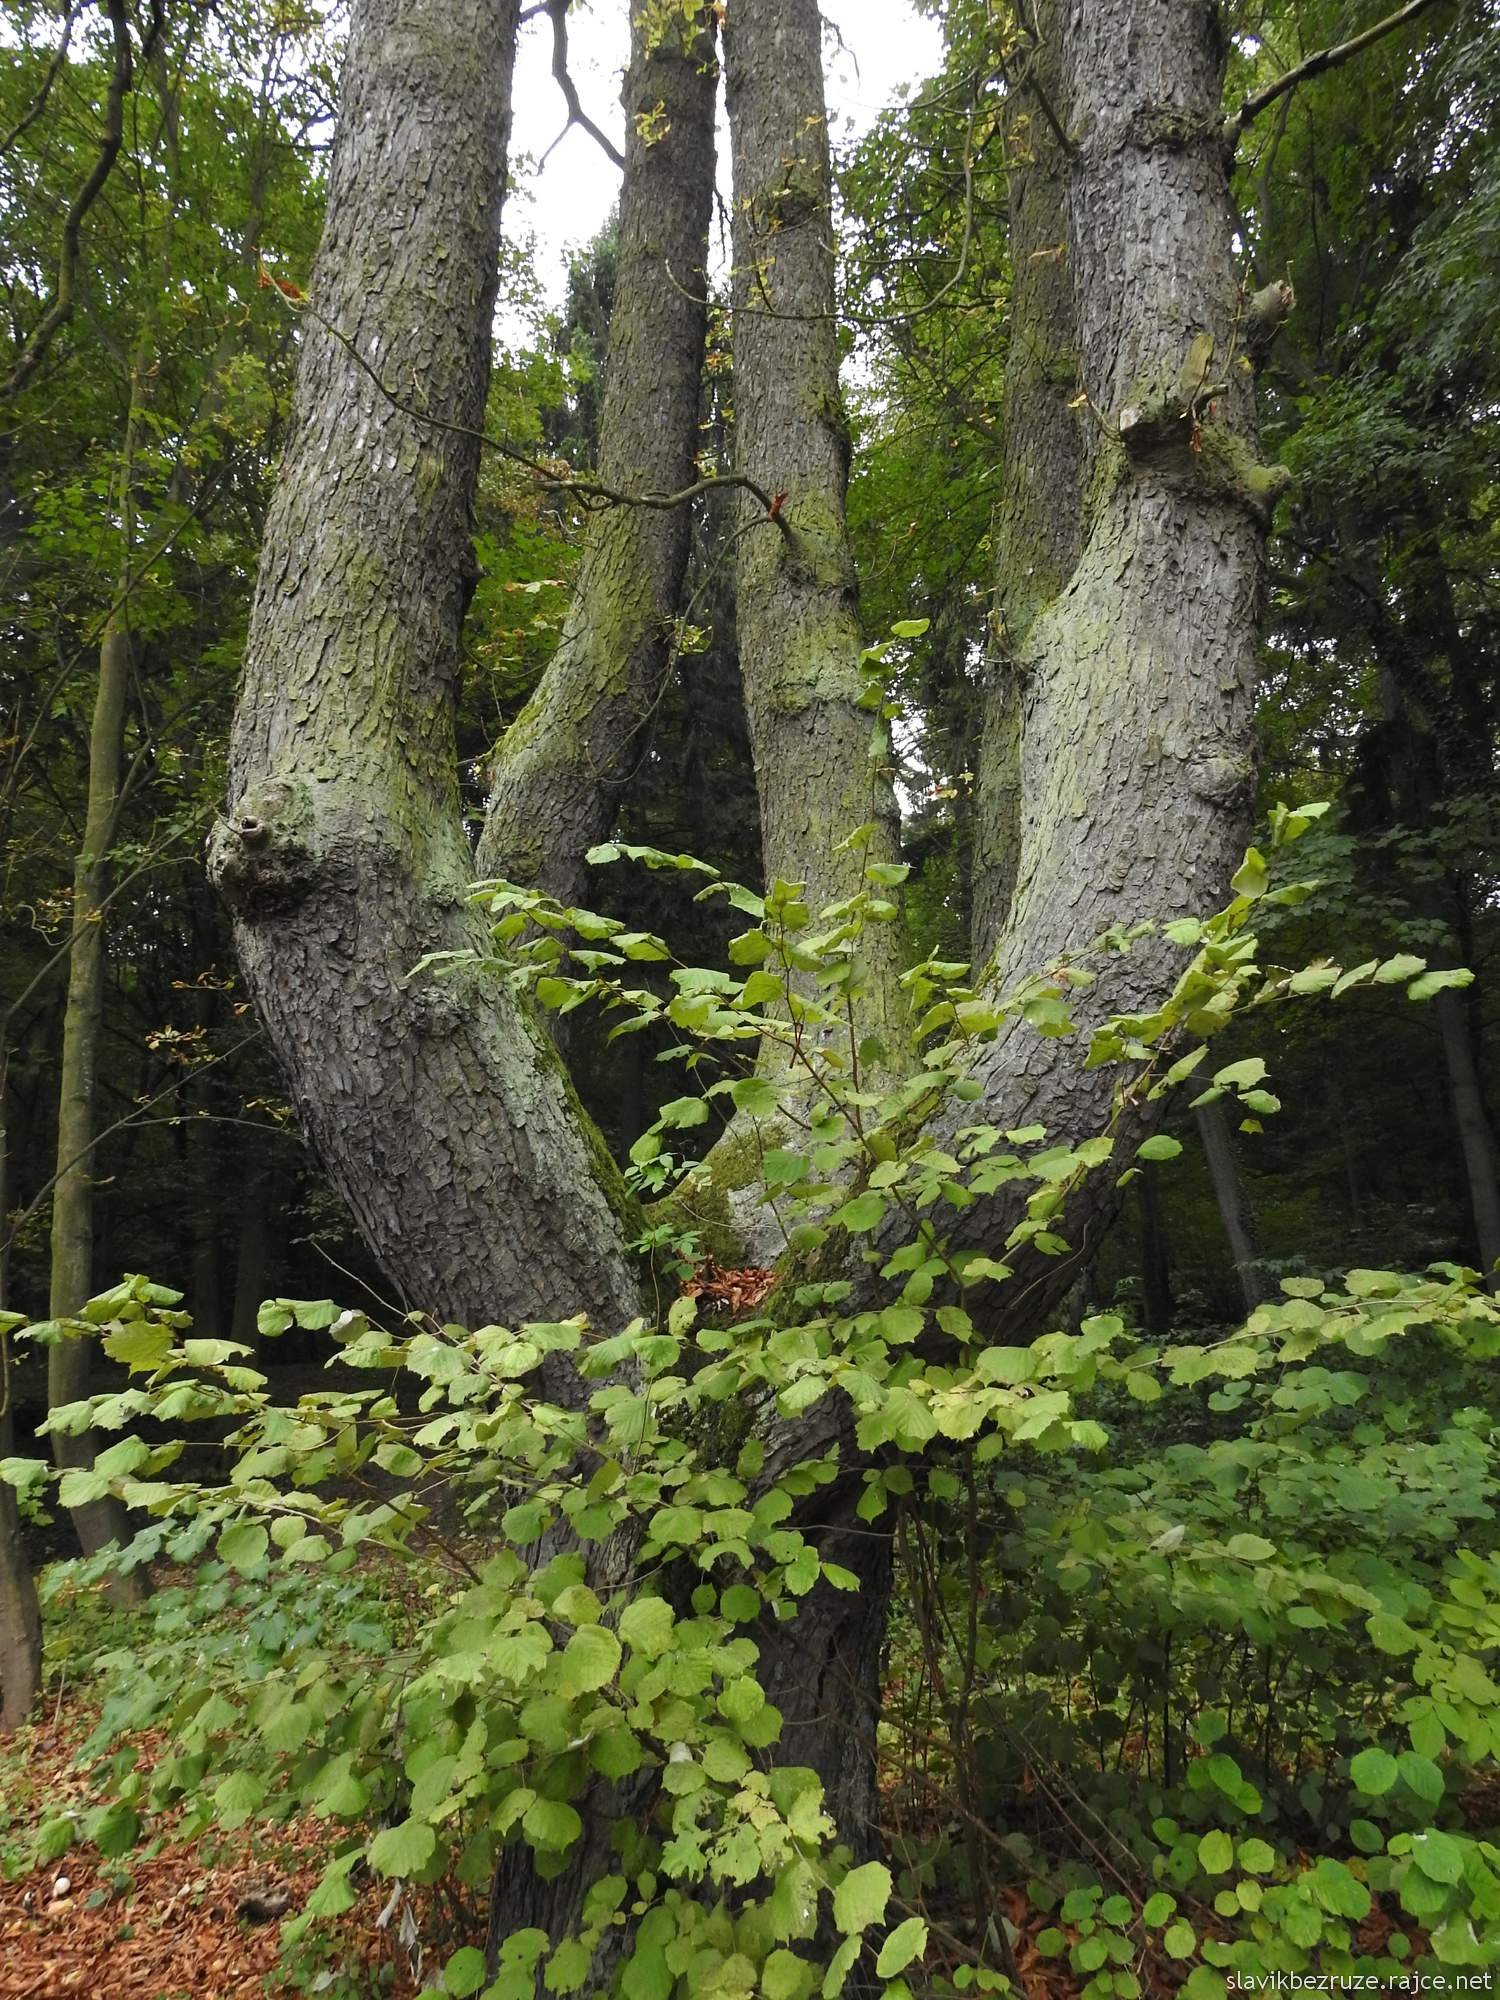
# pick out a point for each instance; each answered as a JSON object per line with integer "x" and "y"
{"x": 589, "y": 1573}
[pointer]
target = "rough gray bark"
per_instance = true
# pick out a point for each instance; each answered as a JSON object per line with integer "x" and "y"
{"x": 1136, "y": 675}
{"x": 1235, "y": 1212}
{"x": 559, "y": 774}
{"x": 1043, "y": 448}
{"x": 798, "y": 638}
{"x": 438, "y": 1106}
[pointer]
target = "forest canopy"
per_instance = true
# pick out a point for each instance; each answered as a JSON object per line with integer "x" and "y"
{"x": 748, "y": 1193}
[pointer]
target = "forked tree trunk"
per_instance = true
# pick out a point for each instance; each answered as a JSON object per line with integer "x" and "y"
{"x": 1135, "y": 677}
{"x": 438, "y": 1106}
{"x": 439, "y": 1109}
{"x": 560, "y": 773}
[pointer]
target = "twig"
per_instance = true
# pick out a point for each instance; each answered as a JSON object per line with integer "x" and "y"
{"x": 60, "y": 307}
{"x": 594, "y": 493}
{"x": 1314, "y": 65}
{"x": 54, "y": 69}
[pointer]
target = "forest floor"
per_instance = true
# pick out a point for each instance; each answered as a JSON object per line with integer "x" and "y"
{"x": 174, "y": 1919}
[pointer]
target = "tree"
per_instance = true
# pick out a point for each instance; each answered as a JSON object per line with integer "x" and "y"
{"x": 1119, "y": 739}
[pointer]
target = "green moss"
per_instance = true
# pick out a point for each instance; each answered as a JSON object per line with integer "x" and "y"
{"x": 1228, "y": 466}
{"x": 701, "y": 1203}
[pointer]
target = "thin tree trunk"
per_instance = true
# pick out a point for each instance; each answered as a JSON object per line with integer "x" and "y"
{"x": 560, "y": 771}
{"x": 1475, "y": 1136}
{"x": 438, "y": 1106}
{"x": 99, "y": 1522}
{"x": 1232, "y": 1197}
{"x": 796, "y": 593}
{"x": 252, "y": 1263}
{"x": 20, "y": 1613}
{"x": 1156, "y": 1263}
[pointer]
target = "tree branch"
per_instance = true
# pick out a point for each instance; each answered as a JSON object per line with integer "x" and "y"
{"x": 1314, "y": 65}
{"x": 558, "y": 10}
{"x": 60, "y": 308}
{"x": 593, "y": 493}
{"x": 38, "y": 103}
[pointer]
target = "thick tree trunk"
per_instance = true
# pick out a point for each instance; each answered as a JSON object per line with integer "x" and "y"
{"x": 438, "y": 1105}
{"x": 100, "y": 1522}
{"x": 796, "y": 593}
{"x": 561, "y": 769}
{"x": 1037, "y": 522}
{"x": 1137, "y": 675}
{"x": 1233, "y": 1200}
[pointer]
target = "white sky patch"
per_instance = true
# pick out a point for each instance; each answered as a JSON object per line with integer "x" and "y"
{"x": 871, "y": 48}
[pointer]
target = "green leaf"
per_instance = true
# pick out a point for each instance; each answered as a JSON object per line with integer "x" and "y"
{"x": 1249, "y": 1548}
{"x": 548, "y": 1823}
{"x": 1438, "y": 1855}
{"x": 906, "y": 1942}
{"x": 591, "y": 1658}
{"x": 1257, "y": 1857}
{"x": 464, "y": 1972}
{"x": 1373, "y": 1770}
{"x": 1160, "y": 1146}
{"x": 1179, "y": 1940}
{"x": 683, "y": 1111}
{"x": 1216, "y": 1852}
{"x": 861, "y": 1898}
{"x": 646, "y": 1626}
{"x": 243, "y": 1546}
{"x": 402, "y": 1849}
{"x": 755, "y": 1096}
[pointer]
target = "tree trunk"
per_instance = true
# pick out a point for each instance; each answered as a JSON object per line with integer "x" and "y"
{"x": 438, "y": 1105}
{"x": 796, "y": 592}
{"x": 1235, "y": 1212}
{"x": 439, "y": 1108}
{"x": 1156, "y": 1263}
{"x": 252, "y": 1263}
{"x": 1475, "y": 1136}
{"x": 1133, "y": 726}
{"x": 1037, "y": 522}
{"x": 20, "y": 1613}
{"x": 99, "y": 1522}
{"x": 560, "y": 770}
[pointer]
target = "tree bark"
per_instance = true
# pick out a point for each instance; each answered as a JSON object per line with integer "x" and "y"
{"x": 1043, "y": 445}
{"x": 1232, "y": 1198}
{"x": 1137, "y": 675}
{"x": 438, "y": 1106}
{"x": 559, "y": 773}
{"x": 796, "y": 593}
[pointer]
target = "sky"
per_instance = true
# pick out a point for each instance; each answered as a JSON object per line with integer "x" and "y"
{"x": 879, "y": 45}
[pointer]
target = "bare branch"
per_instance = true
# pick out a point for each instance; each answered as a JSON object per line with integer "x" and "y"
{"x": 593, "y": 493}
{"x": 1314, "y": 65}
{"x": 558, "y": 10}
